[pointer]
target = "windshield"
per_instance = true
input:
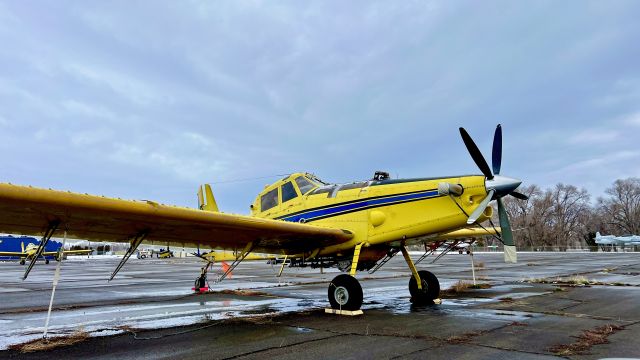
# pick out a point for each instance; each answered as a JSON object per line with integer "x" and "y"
{"x": 304, "y": 184}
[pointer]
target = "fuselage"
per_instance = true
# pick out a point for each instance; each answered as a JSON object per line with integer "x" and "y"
{"x": 377, "y": 212}
{"x": 617, "y": 240}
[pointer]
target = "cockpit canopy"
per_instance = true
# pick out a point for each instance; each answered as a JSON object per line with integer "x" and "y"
{"x": 285, "y": 190}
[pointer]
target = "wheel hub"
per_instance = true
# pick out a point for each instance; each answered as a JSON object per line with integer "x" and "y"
{"x": 341, "y": 294}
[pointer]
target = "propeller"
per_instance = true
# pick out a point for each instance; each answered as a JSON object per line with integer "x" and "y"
{"x": 496, "y": 151}
{"x": 497, "y": 187}
{"x": 480, "y": 209}
{"x": 475, "y": 153}
{"x": 518, "y": 195}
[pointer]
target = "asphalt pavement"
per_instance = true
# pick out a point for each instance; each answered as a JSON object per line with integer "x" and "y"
{"x": 576, "y": 305}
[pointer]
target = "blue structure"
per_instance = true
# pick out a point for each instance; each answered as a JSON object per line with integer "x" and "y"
{"x": 12, "y": 244}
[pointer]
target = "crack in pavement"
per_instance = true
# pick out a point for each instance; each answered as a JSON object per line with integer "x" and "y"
{"x": 281, "y": 346}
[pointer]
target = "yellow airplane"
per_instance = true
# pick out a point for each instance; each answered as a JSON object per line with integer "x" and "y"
{"x": 356, "y": 226}
{"x": 30, "y": 253}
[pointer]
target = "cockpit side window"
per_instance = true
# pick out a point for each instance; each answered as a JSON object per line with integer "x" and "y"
{"x": 269, "y": 200}
{"x": 288, "y": 192}
{"x": 304, "y": 185}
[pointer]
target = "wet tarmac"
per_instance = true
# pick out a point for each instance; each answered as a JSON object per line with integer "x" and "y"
{"x": 533, "y": 309}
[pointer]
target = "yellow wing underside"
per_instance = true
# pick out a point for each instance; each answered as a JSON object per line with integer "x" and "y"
{"x": 12, "y": 254}
{"x": 28, "y": 211}
{"x": 76, "y": 252}
{"x": 48, "y": 253}
{"x": 467, "y": 233}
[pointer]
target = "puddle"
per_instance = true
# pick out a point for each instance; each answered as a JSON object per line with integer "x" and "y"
{"x": 188, "y": 309}
{"x": 509, "y": 287}
{"x": 302, "y": 330}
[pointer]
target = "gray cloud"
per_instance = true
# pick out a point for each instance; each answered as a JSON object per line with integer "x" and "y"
{"x": 149, "y": 99}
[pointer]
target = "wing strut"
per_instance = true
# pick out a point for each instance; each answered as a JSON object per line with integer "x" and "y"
{"x": 51, "y": 228}
{"x": 428, "y": 250}
{"x": 135, "y": 242}
{"x": 238, "y": 260}
{"x": 386, "y": 259}
{"x": 445, "y": 251}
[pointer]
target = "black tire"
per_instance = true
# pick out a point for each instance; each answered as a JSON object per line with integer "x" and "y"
{"x": 430, "y": 288}
{"x": 46, "y": 261}
{"x": 22, "y": 262}
{"x": 345, "y": 293}
{"x": 200, "y": 283}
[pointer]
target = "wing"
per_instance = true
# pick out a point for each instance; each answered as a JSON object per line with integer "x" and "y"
{"x": 68, "y": 252}
{"x": 77, "y": 252}
{"x": 5, "y": 253}
{"x": 27, "y": 210}
{"x": 467, "y": 233}
{"x": 457, "y": 234}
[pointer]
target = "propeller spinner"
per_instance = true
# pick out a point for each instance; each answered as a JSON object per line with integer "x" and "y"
{"x": 497, "y": 187}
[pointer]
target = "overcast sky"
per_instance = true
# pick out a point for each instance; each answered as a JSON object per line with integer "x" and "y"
{"x": 148, "y": 99}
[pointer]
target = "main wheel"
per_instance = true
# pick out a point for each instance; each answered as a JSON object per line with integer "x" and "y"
{"x": 430, "y": 288}
{"x": 22, "y": 262}
{"x": 345, "y": 293}
{"x": 46, "y": 261}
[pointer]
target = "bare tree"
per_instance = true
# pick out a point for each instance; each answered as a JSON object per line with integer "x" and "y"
{"x": 521, "y": 214}
{"x": 570, "y": 210}
{"x": 553, "y": 217}
{"x": 621, "y": 210}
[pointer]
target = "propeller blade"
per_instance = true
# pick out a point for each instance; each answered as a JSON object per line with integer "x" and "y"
{"x": 496, "y": 152}
{"x": 518, "y": 195}
{"x": 480, "y": 209}
{"x": 475, "y": 153}
{"x": 510, "y": 254}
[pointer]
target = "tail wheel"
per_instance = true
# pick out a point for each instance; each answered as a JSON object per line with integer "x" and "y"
{"x": 22, "y": 262}
{"x": 430, "y": 288}
{"x": 345, "y": 293}
{"x": 201, "y": 282}
{"x": 46, "y": 261}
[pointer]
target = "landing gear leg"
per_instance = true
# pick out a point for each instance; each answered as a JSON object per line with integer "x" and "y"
{"x": 423, "y": 285}
{"x": 345, "y": 292}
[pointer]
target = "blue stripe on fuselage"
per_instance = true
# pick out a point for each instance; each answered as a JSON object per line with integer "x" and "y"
{"x": 361, "y": 205}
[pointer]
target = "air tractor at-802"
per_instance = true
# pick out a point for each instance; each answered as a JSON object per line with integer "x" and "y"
{"x": 356, "y": 226}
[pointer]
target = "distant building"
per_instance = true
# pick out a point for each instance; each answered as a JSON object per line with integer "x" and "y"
{"x": 13, "y": 244}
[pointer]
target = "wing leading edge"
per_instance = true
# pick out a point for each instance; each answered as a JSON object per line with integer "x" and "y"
{"x": 27, "y": 210}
